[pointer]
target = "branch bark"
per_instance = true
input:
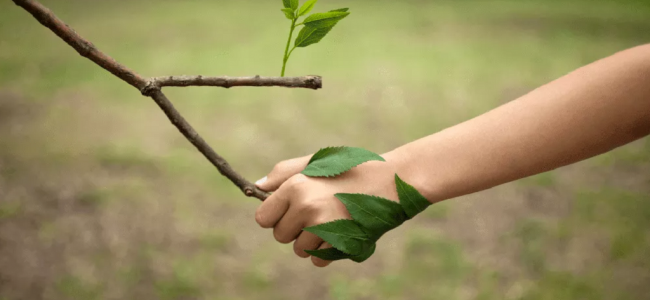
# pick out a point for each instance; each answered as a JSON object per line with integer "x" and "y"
{"x": 152, "y": 88}
{"x": 309, "y": 82}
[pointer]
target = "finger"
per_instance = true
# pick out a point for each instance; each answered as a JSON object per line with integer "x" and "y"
{"x": 281, "y": 172}
{"x": 290, "y": 225}
{"x": 272, "y": 209}
{"x": 319, "y": 262}
{"x": 306, "y": 241}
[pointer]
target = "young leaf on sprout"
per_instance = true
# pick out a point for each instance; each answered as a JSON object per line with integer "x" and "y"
{"x": 288, "y": 13}
{"x": 332, "y": 161}
{"x": 311, "y": 35}
{"x": 327, "y": 19}
{"x": 343, "y": 234}
{"x": 292, "y": 4}
{"x": 316, "y": 26}
{"x": 376, "y": 215}
{"x": 411, "y": 200}
{"x": 307, "y": 7}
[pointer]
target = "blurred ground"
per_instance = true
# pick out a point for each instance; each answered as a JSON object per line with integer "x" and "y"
{"x": 102, "y": 198}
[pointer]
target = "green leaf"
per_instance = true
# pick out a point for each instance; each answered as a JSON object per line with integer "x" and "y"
{"x": 332, "y": 161}
{"x": 288, "y": 13}
{"x": 411, "y": 200}
{"x": 329, "y": 254}
{"x": 336, "y": 254}
{"x": 307, "y": 7}
{"x": 286, "y": 3}
{"x": 365, "y": 255}
{"x": 343, "y": 234}
{"x": 311, "y": 35}
{"x": 294, "y": 4}
{"x": 327, "y": 19}
{"x": 376, "y": 215}
{"x": 341, "y": 9}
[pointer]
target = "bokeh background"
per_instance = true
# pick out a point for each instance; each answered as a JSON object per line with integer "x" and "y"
{"x": 102, "y": 198}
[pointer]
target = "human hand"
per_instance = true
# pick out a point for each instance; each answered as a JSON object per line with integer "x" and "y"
{"x": 299, "y": 201}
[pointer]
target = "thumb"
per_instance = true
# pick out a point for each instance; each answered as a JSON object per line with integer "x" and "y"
{"x": 281, "y": 172}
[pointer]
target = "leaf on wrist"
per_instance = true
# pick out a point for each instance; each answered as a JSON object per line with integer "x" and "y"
{"x": 307, "y": 7}
{"x": 376, "y": 215}
{"x": 332, "y": 161}
{"x": 343, "y": 234}
{"x": 411, "y": 200}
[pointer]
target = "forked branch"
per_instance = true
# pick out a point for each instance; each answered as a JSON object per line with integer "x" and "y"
{"x": 152, "y": 88}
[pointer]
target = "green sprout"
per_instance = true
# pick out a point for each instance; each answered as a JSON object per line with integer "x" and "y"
{"x": 316, "y": 26}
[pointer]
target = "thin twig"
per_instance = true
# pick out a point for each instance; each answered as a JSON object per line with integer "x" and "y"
{"x": 152, "y": 88}
{"x": 309, "y": 82}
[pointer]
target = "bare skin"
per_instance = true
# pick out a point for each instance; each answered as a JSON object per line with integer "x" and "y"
{"x": 587, "y": 112}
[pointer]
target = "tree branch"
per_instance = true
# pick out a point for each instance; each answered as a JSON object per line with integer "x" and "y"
{"x": 152, "y": 88}
{"x": 310, "y": 82}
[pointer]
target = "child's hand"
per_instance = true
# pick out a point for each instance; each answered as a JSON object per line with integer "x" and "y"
{"x": 299, "y": 201}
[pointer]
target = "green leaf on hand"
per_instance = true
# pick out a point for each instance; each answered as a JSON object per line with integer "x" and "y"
{"x": 332, "y": 161}
{"x": 376, "y": 215}
{"x": 288, "y": 13}
{"x": 343, "y": 234}
{"x": 411, "y": 200}
{"x": 329, "y": 254}
{"x": 327, "y": 19}
{"x": 365, "y": 255}
{"x": 333, "y": 254}
{"x": 307, "y": 7}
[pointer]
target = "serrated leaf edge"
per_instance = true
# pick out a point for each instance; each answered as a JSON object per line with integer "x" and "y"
{"x": 365, "y": 237}
{"x": 316, "y": 253}
{"x": 315, "y": 158}
{"x": 366, "y": 210}
{"x": 335, "y": 174}
{"x": 401, "y": 185}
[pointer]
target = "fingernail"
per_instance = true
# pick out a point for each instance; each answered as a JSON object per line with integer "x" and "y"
{"x": 261, "y": 181}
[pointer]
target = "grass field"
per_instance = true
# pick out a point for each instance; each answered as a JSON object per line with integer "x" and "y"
{"x": 102, "y": 198}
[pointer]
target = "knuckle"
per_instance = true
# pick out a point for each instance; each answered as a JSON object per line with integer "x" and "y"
{"x": 280, "y": 237}
{"x": 297, "y": 179}
{"x": 281, "y": 166}
{"x": 312, "y": 208}
{"x": 259, "y": 218}
{"x": 319, "y": 262}
{"x": 299, "y": 251}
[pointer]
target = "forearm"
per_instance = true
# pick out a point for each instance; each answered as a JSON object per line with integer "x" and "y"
{"x": 590, "y": 111}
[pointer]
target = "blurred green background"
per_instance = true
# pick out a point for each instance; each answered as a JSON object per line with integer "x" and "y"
{"x": 102, "y": 198}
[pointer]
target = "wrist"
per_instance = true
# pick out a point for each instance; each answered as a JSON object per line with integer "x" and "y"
{"x": 410, "y": 168}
